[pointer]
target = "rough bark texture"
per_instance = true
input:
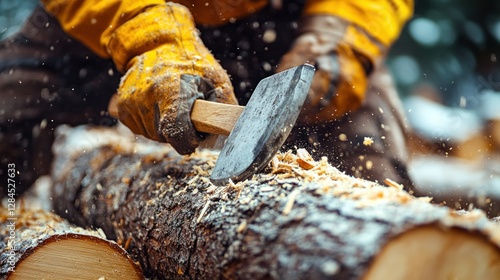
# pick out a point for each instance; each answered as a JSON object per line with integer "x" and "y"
{"x": 24, "y": 239}
{"x": 300, "y": 220}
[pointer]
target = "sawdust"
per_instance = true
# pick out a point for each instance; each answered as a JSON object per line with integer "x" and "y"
{"x": 302, "y": 168}
{"x": 367, "y": 141}
{"x": 288, "y": 169}
{"x": 287, "y": 178}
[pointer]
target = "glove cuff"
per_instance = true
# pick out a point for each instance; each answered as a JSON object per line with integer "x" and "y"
{"x": 383, "y": 20}
{"x": 156, "y": 26}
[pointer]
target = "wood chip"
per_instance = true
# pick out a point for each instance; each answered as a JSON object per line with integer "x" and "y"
{"x": 127, "y": 243}
{"x": 368, "y": 141}
{"x": 266, "y": 189}
{"x": 242, "y": 227}
{"x": 305, "y": 164}
{"x": 211, "y": 189}
{"x": 200, "y": 170}
{"x": 274, "y": 163}
{"x": 202, "y": 213}
{"x": 194, "y": 179}
{"x": 101, "y": 233}
{"x": 391, "y": 183}
{"x": 304, "y": 154}
{"x": 206, "y": 180}
{"x": 291, "y": 201}
{"x": 425, "y": 198}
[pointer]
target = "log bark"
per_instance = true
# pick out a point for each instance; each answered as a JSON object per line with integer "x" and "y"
{"x": 457, "y": 183}
{"x": 300, "y": 219}
{"x": 41, "y": 245}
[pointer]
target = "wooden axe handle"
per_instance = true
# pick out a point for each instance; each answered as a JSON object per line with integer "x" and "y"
{"x": 214, "y": 118}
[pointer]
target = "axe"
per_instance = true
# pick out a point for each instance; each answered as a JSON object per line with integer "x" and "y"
{"x": 259, "y": 129}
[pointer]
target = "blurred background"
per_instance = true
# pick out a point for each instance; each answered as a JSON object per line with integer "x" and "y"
{"x": 446, "y": 66}
{"x": 447, "y": 71}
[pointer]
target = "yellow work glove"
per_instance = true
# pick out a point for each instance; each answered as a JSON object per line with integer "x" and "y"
{"x": 167, "y": 68}
{"x": 340, "y": 80}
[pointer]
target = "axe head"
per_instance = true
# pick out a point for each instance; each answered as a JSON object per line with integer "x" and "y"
{"x": 264, "y": 124}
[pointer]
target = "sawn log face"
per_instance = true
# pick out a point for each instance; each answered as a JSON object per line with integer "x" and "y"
{"x": 39, "y": 244}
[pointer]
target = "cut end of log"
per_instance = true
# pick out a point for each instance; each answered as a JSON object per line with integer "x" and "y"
{"x": 41, "y": 245}
{"x": 75, "y": 256}
{"x": 434, "y": 253}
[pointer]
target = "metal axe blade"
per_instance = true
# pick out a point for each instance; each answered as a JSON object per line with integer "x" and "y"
{"x": 264, "y": 124}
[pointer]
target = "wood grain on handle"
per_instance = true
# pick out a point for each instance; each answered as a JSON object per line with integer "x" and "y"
{"x": 214, "y": 118}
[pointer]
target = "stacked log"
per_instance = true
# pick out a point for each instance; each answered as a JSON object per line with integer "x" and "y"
{"x": 300, "y": 219}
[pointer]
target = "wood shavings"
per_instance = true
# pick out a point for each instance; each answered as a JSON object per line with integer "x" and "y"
{"x": 126, "y": 180}
{"x": 290, "y": 202}
{"x": 242, "y": 227}
{"x": 368, "y": 141}
{"x": 101, "y": 233}
{"x": 266, "y": 189}
{"x": 180, "y": 271}
{"x": 194, "y": 179}
{"x": 200, "y": 170}
{"x": 285, "y": 176}
{"x": 306, "y": 174}
{"x": 183, "y": 191}
{"x": 274, "y": 163}
{"x": 127, "y": 243}
{"x": 245, "y": 200}
{"x": 425, "y": 198}
{"x": 211, "y": 189}
{"x": 290, "y": 169}
{"x": 391, "y": 183}
{"x": 206, "y": 180}
{"x": 202, "y": 213}
{"x": 150, "y": 202}
{"x": 305, "y": 160}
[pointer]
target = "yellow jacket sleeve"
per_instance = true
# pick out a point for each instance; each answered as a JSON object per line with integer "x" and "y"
{"x": 93, "y": 21}
{"x": 376, "y": 24}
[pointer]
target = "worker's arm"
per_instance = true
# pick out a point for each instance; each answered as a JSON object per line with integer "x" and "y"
{"x": 165, "y": 64}
{"x": 345, "y": 39}
{"x": 92, "y": 22}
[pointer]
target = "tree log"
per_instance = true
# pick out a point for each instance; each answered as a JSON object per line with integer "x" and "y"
{"x": 41, "y": 245}
{"x": 457, "y": 183}
{"x": 300, "y": 219}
